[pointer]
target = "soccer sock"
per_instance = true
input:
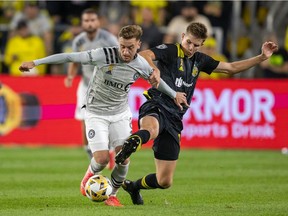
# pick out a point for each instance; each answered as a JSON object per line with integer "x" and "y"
{"x": 147, "y": 182}
{"x": 117, "y": 176}
{"x": 143, "y": 134}
{"x": 96, "y": 167}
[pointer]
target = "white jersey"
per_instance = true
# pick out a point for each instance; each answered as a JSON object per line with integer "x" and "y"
{"x": 81, "y": 43}
{"x": 110, "y": 83}
{"x": 108, "y": 88}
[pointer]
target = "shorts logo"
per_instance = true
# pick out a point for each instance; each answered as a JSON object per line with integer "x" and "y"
{"x": 91, "y": 133}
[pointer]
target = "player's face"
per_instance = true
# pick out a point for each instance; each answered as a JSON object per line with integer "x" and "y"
{"x": 128, "y": 48}
{"x": 191, "y": 44}
{"x": 90, "y": 22}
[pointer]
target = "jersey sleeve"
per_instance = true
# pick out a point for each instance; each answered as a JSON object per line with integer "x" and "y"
{"x": 207, "y": 63}
{"x": 165, "y": 52}
{"x": 144, "y": 69}
{"x": 90, "y": 57}
{"x": 74, "y": 45}
{"x": 94, "y": 56}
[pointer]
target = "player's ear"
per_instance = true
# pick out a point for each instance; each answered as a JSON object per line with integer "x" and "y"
{"x": 139, "y": 44}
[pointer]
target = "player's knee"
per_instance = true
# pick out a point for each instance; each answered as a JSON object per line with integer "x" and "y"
{"x": 102, "y": 160}
{"x": 165, "y": 183}
{"x": 153, "y": 132}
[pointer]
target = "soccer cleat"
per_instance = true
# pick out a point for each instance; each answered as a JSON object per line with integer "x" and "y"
{"x": 113, "y": 201}
{"x": 134, "y": 194}
{"x": 86, "y": 177}
{"x": 129, "y": 146}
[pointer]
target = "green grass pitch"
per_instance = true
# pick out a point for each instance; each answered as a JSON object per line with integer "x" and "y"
{"x": 45, "y": 181}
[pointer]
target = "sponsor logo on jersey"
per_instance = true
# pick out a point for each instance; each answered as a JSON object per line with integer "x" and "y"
{"x": 179, "y": 82}
{"x": 121, "y": 86}
{"x": 162, "y": 46}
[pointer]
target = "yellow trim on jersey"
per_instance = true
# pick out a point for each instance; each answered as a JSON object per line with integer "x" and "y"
{"x": 180, "y": 51}
{"x": 179, "y": 137}
{"x": 180, "y": 54}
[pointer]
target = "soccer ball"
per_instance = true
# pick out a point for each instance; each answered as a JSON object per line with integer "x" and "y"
{"x": 98, "y": 188}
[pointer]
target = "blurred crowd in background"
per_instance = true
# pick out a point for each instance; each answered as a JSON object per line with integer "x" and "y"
{"x": 35, "y": 29}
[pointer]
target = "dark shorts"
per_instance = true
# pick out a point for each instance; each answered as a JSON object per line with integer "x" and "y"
{"x": 167, "y": 145}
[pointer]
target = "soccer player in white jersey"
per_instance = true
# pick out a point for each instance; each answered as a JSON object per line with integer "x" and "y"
{"x": 107, "y": 113}
{"x": 92, "y": 37}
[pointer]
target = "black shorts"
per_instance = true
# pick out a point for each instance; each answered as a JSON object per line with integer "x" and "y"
{"x": 167, "y": 145}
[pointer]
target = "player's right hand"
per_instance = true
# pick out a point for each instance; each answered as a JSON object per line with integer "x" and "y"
{"x": 180, "y": 100}
{"x": 26, "y": 66}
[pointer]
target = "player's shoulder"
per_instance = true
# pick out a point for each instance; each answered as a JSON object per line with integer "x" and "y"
{"x": 141, "y": 65}
{"x": 80, "y": 37}
{"x": 165, "y": 48}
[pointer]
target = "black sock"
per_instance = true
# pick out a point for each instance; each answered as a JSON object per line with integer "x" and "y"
{"x": 143, "y": 134}
{"x": 147, "y": 182}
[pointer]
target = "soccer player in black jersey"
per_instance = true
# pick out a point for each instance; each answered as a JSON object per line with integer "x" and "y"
{"x": 159, "y": 118}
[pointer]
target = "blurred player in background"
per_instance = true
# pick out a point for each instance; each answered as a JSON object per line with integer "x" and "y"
{"x": 92, "y": 37}
{"x": 159, "y": 119}
{"x": 107, "y": 113}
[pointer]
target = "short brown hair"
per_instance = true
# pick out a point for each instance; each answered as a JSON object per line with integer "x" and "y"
{"x": 89, "y": 11}
{"x": 198, "y": 30}
{"x": 131, "y": 31}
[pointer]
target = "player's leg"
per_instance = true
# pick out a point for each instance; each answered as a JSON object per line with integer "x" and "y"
{"x": 119, "y": 129}
{"x": 111, "y": 163}
{"x": 80, "y": 115}
{"x": 85, "y": 141}
{"x": 166, "y": 151}
{"x": 97, "y": 136}
{"x": 149, "y": 129}
{"x": 162, "y": 179}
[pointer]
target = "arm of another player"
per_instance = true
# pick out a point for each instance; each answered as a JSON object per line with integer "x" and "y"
{"x": 71, "y": 73}
{"x": 238, "y": 66}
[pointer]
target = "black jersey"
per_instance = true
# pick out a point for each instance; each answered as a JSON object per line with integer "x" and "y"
{"x": 180, "y": 73}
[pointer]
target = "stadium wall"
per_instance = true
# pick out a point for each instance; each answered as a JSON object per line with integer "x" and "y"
{"x": 223, "y": 114}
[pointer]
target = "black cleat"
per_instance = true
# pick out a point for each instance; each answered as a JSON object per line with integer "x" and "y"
{"x": 134, "y": 194}
{"x": 128, "y": 148}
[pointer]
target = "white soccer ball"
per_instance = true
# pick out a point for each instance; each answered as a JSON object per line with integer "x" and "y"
{"x": 98, "y": 188}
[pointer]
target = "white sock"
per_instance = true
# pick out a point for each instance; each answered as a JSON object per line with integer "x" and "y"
{"x": 118, "y": 175}
{"x": 96, "y": 167}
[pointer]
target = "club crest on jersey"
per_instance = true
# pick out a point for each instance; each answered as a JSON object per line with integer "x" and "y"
{"x": 91, "y": 133}
{"x": 162, "y": 46}
{"x": 195, "y": 70}
{"x": 136, "y": 76}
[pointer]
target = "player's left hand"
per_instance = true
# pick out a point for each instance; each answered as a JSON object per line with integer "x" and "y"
{"x": 26, "y": 66}
{"x": 268, "y": 48}
{"x": 154, "y": 78}
{"x": 181, "y": 100}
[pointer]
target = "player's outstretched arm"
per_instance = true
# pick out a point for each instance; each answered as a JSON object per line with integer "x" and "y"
{"x": 268, "y": 48}
{"x": 79, "y": 57}
{"x": 26, "y": 66}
